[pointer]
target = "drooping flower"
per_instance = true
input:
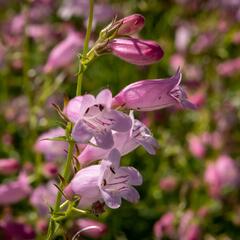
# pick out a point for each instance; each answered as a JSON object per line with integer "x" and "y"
{"x": 106, "y": 182}
{"x": 135, "y": 51}
{"x": 8, "y": 166}
{"x": 93, "y": 117}
{"x": 64, "y": 53}
{"x": 51, "y": 149}
{"x": 138, "y": 135}
{"x": 15, "y": 191}
{"x": 130, "y": 24}
{"x": 149, "y": 95}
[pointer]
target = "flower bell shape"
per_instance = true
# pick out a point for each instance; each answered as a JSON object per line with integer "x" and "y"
{"x": 138, "y": 135}
{"x": 135, "y": 51}
{"x": 93, "y": 117}
{"x": 149, "y": 95}
{"x": 130, "y": 24}
{"x": 107, "y": 182}
{"x": 64, "y": 53}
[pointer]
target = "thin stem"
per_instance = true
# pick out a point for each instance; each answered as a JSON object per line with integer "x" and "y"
{"x": 82, "y": 68}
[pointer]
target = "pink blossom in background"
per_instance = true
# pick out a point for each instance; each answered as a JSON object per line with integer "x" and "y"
{"x": 43, "y": 196}
{"x": 14, "y": 191}
{"x": 188, "y": 228}
{"x": 203, "y": 42}
{"x": 229, "y": 67}
{"x": 149, "y": 95}
{"x": 106, "y": 182}
{"x": 39, "y": 31}
{"x": 97, "y": 232}
{"x": 196, "y": 146}
{"x": 131, "y": 24}
{"x": 198, "y": 98}
{"x": 50, "y": 169}
{"x": 11, "y": 229}
{"x": 221, "y": 174}
{"x": 9, "y": 166}
{"x": 64, "y": 53}
{"x": 135, "y": 51}
{"x": 49, "y": 148}
{"x": 168, "y": 183}
{"x": 183, "y": 36}
{"x": 165, "y": 226}
{"x": 102, "y": 11}
{"x": 177, "y": 61}
{"x": 93, "y": 117}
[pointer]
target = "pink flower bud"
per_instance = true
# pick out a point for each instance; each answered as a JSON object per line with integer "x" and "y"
{"x": 97, "y": 232}
{"x": 196, "y": 146}
{"x": 136, "y": 51}
{"x": 149, "y": 95}
{"x": 130, "y": 24}
{"x": 8, "y": 166}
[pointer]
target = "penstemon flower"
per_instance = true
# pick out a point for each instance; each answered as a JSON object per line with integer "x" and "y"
{"x": 135, "y": 51}
{"x": 106, "y": 182}
{"x": 149, "y": 95}
{"x": 126, "y": 142}
{"x": 93, "y": 117}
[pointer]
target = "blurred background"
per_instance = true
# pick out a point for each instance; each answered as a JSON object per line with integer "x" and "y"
{"x": 191, "y": 186}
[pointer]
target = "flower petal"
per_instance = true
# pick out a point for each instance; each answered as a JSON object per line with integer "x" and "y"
{"x": 104, "y": 139}
{"x": 105, "y": 98}
{"x": 112, "y": 199}
{"x": 80, "y": 132}
{"x": 87, "y": 101}
{"x": 134, "y": 176}
{"x": 150, "y": 144}
{"x": 114, "y": 157}
{"x": 73, "y": 108}
{"x": 121, "y": 122}
{"x": 130, "y": 194}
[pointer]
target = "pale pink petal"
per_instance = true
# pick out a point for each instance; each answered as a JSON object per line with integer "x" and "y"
{"x": 111, "y": 199}
{"x": 80, "y": 132}
{"x": 104, "y": 139}
{"x": 73, "y": 108}
{"x": 104, "y": 98}
{"x": 134, "y": 177}
{"x": 130, "y": 194}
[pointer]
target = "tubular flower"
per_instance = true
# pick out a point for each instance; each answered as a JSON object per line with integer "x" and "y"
{"x": 64, "y": 53}
{"x": 93, "y": 117}
{"x": 126, "y": 142}
{"x": 130, "y": 24}
{"x": 149, "y": 95}
{"x": 136, "y": 51}
{"x": 106, "y": 182}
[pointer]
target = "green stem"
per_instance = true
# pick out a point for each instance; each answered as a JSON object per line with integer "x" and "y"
{"x": 81, "y": 68}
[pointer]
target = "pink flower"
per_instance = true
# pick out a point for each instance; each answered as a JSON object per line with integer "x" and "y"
{"x": 136, "y": 51}
{"x": 106, "y": 182}
{"x": 131, "y": 24}
{"x": 168, "y": 184}
{"x": 44, "y": 196}
{"x": 51, "y": 149}
{"x": 97, "y": 232}
{"x": 221, "y": 174}
{"x": 126, "y": 142}
{"x": 8, "y": 166}
{"x": 164, "y": 226}
{"x": 15, "y": 191}
{"x": 229, "y": 67}
{"x": 93, "y": 117}
{"x": 64, "y": 53}
{"x": 50, "y": 169}
{"x": 196, "y": 146}
{"x": 149, "y": 95}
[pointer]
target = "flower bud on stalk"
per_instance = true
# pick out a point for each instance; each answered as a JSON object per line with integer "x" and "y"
{"x": 135, "y": 51}
{"x": 130, "y": 24}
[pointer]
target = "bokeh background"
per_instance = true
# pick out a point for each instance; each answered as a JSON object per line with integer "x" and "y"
{"x": 191, "y": 186}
